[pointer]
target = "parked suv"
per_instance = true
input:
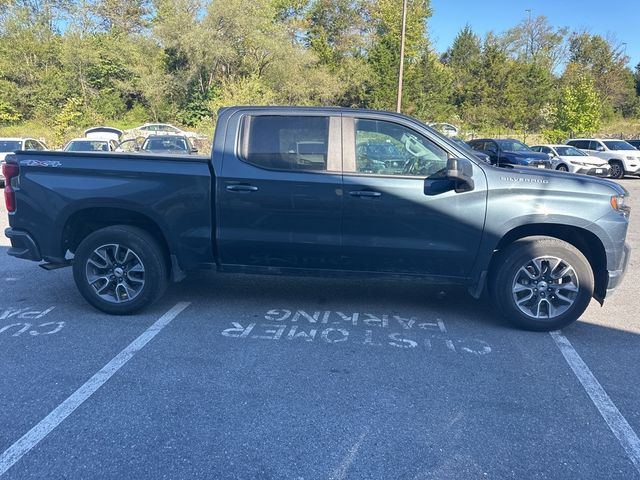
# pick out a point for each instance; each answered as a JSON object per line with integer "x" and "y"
{"x": 622, "y": 156}
{"x": 510, "y": 153}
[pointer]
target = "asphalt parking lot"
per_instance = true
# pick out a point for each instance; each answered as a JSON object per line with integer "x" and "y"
{"x": 252, "y": 377}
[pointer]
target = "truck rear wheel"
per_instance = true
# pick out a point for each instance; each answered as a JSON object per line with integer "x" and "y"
{"x": 542, "y": 283}
{"x": 120, "y": 269}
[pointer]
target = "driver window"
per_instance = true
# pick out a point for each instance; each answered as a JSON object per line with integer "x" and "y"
{"x": 385, "y": 148}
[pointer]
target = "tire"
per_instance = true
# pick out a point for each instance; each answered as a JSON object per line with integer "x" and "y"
{"x": 562, "y": 168}
{"x": 127, "y": 266}
{"x": 617, "y": 169}
{"x": 556, "y": 275}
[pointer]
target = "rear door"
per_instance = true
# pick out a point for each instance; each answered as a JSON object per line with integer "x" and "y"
{"x": 407, "y": 220}
{"x": 279, "y": 191}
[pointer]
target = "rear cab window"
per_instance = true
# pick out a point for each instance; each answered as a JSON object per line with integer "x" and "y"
{"x": 288, "y": 142}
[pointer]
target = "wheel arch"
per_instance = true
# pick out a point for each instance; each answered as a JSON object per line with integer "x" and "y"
{"x": 84, "y": 222}
{"x": 587, "y": 242}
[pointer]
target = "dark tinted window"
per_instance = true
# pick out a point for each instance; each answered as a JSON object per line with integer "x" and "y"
{"x": 583, "y": 144}
{"x": 286, "y": 143}
{"x": 166, "y": 144}
{"x": 618, "y": 145}
{"x": 593, "y": 145}
{"x": 513, "y": 146}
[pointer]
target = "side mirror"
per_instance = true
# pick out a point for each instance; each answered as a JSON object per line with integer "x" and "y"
{"x": 460, "y": 170}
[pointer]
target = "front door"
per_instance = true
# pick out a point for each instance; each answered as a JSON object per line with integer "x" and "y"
{"x": 401, "y": 214}
{"x": 279, "y": 198}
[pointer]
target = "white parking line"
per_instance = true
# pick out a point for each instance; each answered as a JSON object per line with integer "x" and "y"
{"x": 617, "y": 423}
{"x": 340, "y": 473}
{"x": 34, "y": 436}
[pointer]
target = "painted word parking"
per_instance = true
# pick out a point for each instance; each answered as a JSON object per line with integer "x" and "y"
{"x": 33, "y": 328}
{"x": 372, "y": 330}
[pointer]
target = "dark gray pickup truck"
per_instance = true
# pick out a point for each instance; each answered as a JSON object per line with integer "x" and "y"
{"x": 297, "y": 191}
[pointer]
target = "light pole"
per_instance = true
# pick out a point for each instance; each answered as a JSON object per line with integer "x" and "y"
{"x": 401, "y": 72}
{"x": 530, "y": 32}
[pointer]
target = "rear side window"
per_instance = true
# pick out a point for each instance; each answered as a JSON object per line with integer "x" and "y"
{"x": 593, "y": 145}
{"x": 285, "y": 143}
{"x": 583, "y": 144}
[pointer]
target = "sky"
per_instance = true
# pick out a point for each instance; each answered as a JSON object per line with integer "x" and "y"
{"x": 619, "y": 18}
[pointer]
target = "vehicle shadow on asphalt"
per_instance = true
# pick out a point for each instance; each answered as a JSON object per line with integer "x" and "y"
{"x": 395, "y": 296}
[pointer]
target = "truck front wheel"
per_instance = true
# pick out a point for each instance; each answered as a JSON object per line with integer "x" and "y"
{"x": 542, "y": 283}
{"x": 120, "y": 269}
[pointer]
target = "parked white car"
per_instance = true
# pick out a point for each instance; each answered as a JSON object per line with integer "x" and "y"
{"x": 623, "y": 157}
{"x": 10, "y": 145}
{"x": 570, "y": 159}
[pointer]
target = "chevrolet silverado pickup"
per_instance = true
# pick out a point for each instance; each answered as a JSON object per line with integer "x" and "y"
{"x": 297, "y": 191}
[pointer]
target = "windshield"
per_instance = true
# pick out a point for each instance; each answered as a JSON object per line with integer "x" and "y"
{"x": 10, "y": 145}
{"x": 87, "y": 146}
{"x": 570, "y": 152}
{"x": 618, "y": 145}
{"x": 513, "y": 146}
{"x": 166, "y": 144}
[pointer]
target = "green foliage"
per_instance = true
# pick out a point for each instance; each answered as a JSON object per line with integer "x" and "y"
{"x": 71, "y": 63}
{"x": 69, "y": 118}
{"x": 243, "y": 91}
{"x": 578, "y": 110}
{"x": 554, "y": 135}
{"x": 8, "y": 113}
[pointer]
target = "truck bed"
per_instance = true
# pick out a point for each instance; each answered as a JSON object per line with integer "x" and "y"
{"x": 60, "y": 195}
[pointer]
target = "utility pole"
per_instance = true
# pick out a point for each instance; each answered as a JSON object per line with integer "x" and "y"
{"x": 401, "y": 72}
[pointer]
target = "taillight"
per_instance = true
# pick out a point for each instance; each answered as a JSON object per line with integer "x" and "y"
{"x": 10, "y": 171}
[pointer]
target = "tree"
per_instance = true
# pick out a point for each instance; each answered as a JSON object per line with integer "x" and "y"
{"x": 535, "y": 40}
{"x": 384, "y": 53}
{"x": 598, "y": 58}
{"x": 122, "y": 16}
{"x": 578, "y": 109}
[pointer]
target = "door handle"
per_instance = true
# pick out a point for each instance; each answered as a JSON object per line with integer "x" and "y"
{"x": 241, "y": 188}
{"x": 364, "y": 193}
